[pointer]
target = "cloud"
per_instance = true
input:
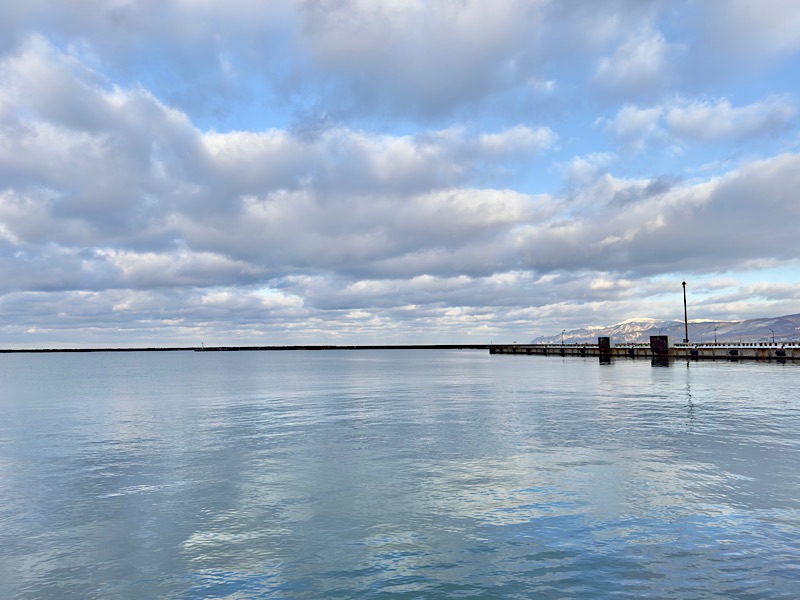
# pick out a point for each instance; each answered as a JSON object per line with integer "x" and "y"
{"x": 710, "y": 121}
{"x": 366, "y": 235}
{"x": 634, "y": 127}
{"x": 351, "y": 161}
{"x": 699, "y": 227}
{"x": 418, "y": 57}
{"x": 175, "y": 269}
{"x": 751, "y": 30}
{"x": 583, "y": 170}
{"x": 99, "y": 158}
{"x": 717, "y": 120}
{"x": 516, "y": 140}
{"x": 638, "y": 66}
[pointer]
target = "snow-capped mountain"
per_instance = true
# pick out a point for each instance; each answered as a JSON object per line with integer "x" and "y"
{"x": 783, "y": 329}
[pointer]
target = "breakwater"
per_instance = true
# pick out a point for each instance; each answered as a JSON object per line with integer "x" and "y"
{"x": 255, "y": 348}
{"x": 711, "y": 351}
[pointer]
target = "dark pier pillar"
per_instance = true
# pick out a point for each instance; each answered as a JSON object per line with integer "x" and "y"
{"x": 604, "y": 349}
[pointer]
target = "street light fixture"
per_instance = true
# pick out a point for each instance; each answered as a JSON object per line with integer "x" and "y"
{"x": 685, "y": 316}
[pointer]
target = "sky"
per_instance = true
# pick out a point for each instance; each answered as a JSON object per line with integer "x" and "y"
{"x": 187, "y": 172}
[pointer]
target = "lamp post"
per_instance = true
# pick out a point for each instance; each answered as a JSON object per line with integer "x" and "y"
{"x": 685, "y": 316}
{"x": 715, "y": 333}
{"x": 773, "y": 335}
{"x": 562, "y": 337}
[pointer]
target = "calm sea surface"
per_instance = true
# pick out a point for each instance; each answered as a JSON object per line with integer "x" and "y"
{"x": 396, "y": 474}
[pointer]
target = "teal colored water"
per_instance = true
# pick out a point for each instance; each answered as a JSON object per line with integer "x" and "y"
{"x": 396, "y": 474}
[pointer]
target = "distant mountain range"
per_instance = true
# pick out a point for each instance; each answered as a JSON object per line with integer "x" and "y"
{"x": 782, "y": 329}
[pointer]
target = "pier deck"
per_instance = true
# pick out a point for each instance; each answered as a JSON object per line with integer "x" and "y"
{"x": 718, "y": 351}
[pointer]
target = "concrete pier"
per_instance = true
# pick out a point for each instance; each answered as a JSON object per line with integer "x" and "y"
{"x": 712, "y": 351}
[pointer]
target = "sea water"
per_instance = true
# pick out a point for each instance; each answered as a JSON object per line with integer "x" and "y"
{"x": 396, "y": 474}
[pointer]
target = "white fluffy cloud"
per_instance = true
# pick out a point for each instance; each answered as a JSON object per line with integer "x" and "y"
{"x": 638, "y": 66}
{"x": 703, "y": 120}
{"x": 717, "y": 120}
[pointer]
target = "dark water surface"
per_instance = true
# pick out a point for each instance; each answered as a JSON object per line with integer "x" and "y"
{"x": 396, "y": 474}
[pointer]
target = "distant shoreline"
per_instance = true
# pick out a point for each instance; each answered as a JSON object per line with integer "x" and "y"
{"x": 253, "y": 348}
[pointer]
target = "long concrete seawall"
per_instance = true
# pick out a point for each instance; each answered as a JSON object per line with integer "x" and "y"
{"x": 251, "y": 348}
{"x": 755, "y": 350}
